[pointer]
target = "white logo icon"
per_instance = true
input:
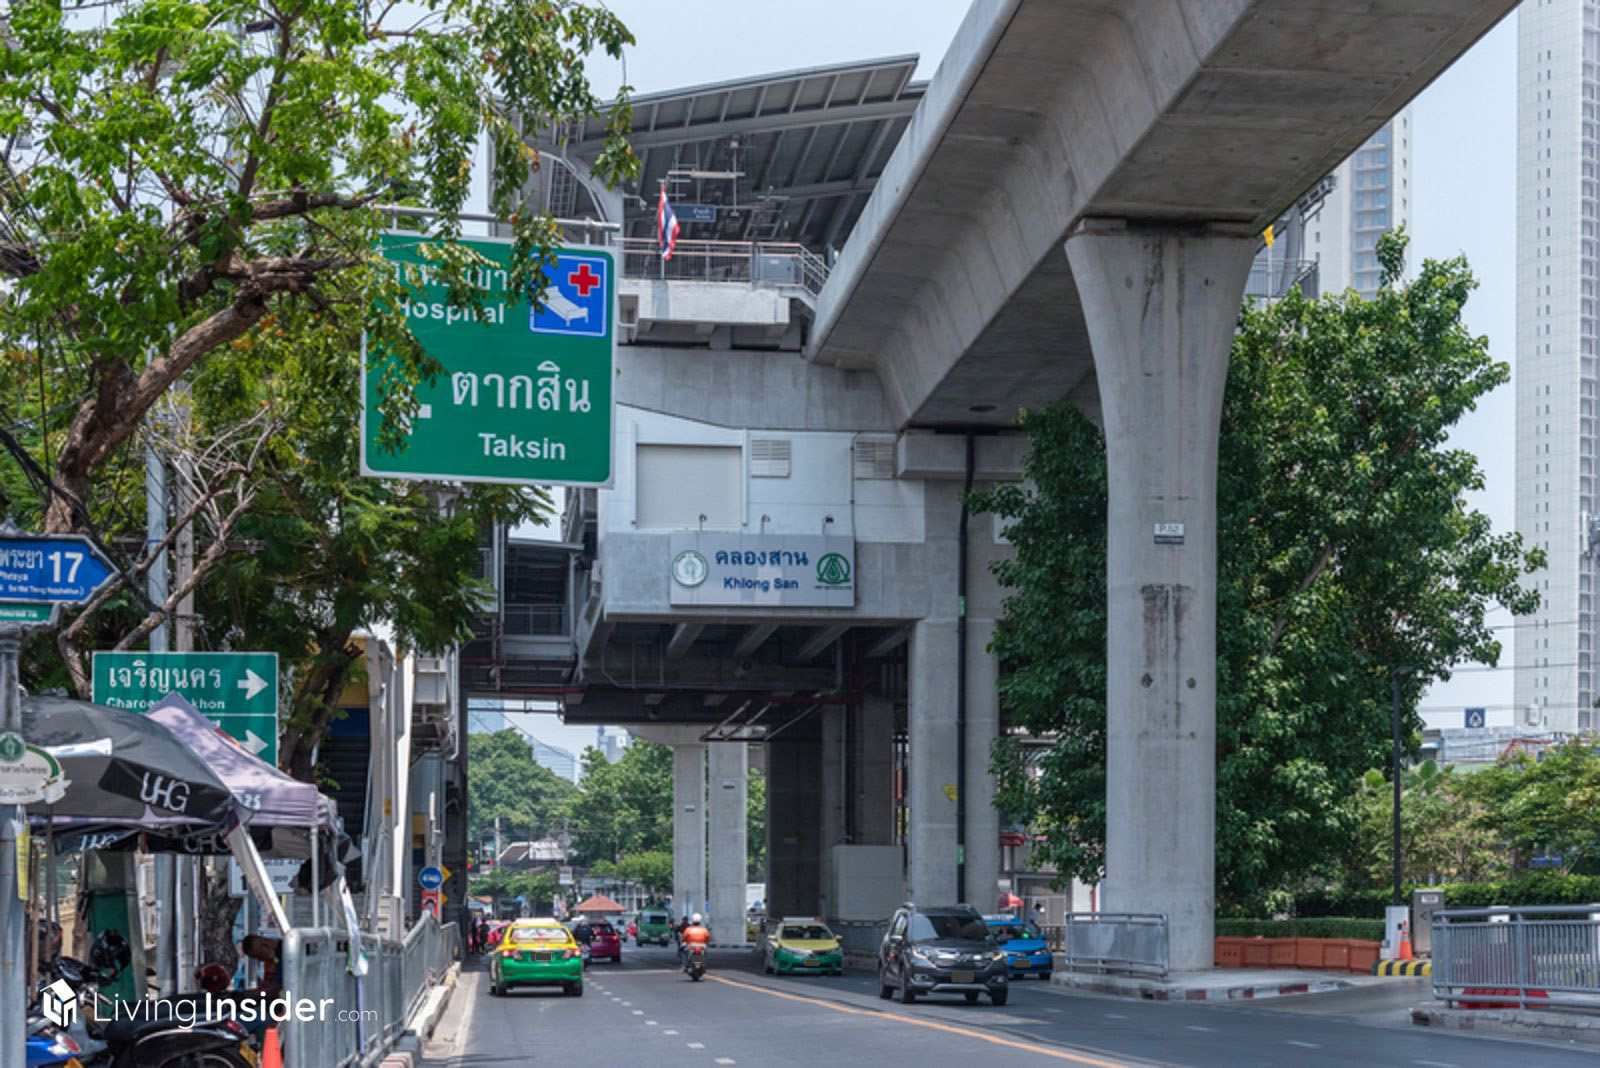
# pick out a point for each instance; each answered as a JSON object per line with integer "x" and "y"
{"x": 690, "y": 569}
{"x": 60, "y": 1003}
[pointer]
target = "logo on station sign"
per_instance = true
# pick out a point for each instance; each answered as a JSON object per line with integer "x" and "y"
{"x": 833, "y": 570}
{"x": 689, "y": 568}
{"x": 27, "y": 773}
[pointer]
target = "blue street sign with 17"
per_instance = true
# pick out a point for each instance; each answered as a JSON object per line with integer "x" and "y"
{"x": 52, "y": 570}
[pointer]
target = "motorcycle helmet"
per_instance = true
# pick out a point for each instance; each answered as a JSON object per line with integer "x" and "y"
{"x": 109, "y": 954}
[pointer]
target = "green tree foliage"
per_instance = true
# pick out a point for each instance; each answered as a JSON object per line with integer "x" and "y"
{"x": 651, "y": 869}
{"x": 539, "y": 887}
{"x": 1346, "y": 549}
{"x": 183, "y": 178}
{"x": 1447, "y": 834}
{"x": 756, "y": 827}
{"x": 504, "y": 783}
{"x": 623, "y": 809}
{"x": 1548, "y": 807}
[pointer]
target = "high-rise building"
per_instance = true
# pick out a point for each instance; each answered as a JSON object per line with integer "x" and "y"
{"x": 1328, "y": 242}
{"x": 1557, "y": 328}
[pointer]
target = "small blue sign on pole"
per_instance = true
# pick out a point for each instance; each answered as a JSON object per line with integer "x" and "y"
{"x": 430, "y": 878}
{"x": 1476, "y": 718}
{"x": 695, "y": 213}
{"x": 36, "y": 569}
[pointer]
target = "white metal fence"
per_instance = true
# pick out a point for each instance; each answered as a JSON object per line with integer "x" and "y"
{"x": 1115, "y": 943}
{"x": 776, "y": 264}
{"x": 316, "y": 966}
{"x": 1523, "y": 957}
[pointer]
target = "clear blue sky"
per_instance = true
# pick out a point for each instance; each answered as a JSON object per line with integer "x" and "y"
{"x": 1464, "y": 172}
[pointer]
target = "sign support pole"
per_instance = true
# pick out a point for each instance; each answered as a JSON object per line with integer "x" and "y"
{"x": 13, "y": 938}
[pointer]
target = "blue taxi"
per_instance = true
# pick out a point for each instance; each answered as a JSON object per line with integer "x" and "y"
{"x": 1023, "y": 946}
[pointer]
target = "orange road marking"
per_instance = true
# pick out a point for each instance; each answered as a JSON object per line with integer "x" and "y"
{"x": 1028, "y": 1047}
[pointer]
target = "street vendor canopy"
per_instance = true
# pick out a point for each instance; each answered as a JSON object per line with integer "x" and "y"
{"x": 599, "y": 903}
{"x": 122, "y": 766}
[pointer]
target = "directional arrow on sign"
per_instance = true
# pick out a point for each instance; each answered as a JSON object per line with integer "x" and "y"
{"x": 252, "y": 684}
{"x": 254, "y": 742}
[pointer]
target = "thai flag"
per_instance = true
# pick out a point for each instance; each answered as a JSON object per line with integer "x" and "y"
{"x": 666, "y": 227}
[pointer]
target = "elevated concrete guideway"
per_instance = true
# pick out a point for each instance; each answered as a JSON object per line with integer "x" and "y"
{"x": 1072, "y": 213}
{"x": 953, "y": 286}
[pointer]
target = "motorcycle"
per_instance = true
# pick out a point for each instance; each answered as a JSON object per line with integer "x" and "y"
{"x": 694, "y": 961}
{"x": 48, "y": 1046}
{"x": 157, "y": 1040}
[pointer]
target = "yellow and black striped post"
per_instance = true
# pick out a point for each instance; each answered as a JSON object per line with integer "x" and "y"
{"x": 1403, "y": 967}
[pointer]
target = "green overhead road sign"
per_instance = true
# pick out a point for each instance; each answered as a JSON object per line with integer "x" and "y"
{"x": 525, "y": 396}
{"x": 236, "y": 691}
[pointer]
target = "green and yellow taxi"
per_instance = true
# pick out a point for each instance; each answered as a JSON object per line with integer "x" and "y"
{"x": 802, "y": 944}
{"x": 536, "y": 953}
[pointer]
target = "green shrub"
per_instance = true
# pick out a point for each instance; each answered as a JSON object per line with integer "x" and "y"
{"x": 1531, "y": 888}
{"x": 1304, "y": 927}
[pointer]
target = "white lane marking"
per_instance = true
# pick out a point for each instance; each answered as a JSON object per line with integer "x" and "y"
{"x": 649, "y": 1023}
{"x": 1197, "y": 1027}
{"x": 638, "y": 1012}
{"x": 726, "y": 1060}
{"x": 625, "y": 1004}
{"x": 1109, "y": 1015}
{"x": 1435, "y": 1064}
{"x": 1303, "y": 1045}
{"x": 669, "y": 1032}
{"x": 697, "y": 1045}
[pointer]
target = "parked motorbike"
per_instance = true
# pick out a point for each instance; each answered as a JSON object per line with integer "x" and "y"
{"x": 694, "y": 961}
{"x": 156, "y": 1040}
{"x": 48, "y": 1046}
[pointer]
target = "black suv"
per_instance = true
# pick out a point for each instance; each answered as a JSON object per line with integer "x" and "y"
{"x": 942, "y": 950}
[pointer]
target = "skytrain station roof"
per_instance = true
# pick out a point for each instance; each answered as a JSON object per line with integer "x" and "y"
{"x": 781, "y": 157}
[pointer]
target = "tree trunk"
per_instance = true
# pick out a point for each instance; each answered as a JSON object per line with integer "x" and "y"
{"x": 217, "y": 911}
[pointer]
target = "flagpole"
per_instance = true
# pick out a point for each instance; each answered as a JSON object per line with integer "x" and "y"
{"x": 661, "y": 200}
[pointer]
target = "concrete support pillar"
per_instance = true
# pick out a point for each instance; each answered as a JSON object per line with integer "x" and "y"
{"x": 832, "y": 788}
{"x": 688, "y": 828}
{"x": 794, "y": 874}
{"x": 1161, "y": 304}
{"x": 729, "y": 822}
{"x": 932, "y": 730}
{"x": 983, "y": 726}
{"x": 872, "y": 772}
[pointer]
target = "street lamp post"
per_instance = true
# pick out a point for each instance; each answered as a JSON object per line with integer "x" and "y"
{"x": 1398, "y": 678}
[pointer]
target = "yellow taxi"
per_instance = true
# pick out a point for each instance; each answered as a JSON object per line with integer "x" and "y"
{"x": 536, "y": 953}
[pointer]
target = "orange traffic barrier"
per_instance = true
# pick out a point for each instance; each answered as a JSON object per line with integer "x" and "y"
{"x": 271, "y": 1055}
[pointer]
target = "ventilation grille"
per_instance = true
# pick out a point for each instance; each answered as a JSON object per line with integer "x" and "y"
{"x": 874, "y": 458}
{"x": 769, "y": 457}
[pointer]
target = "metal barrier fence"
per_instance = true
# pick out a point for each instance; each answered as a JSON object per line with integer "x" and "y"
{"x": 316, "y": 966}
{"x": 1115, "y": 942}
{"x": 778, "y": 264}
{"x": 860, "y": 938}
{"x": 1527, "y": 957}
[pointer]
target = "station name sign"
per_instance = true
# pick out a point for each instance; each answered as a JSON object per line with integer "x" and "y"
{"x": 801, "y": 570}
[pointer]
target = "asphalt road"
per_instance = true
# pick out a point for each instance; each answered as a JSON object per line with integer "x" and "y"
{"x": 647, "y": 1013}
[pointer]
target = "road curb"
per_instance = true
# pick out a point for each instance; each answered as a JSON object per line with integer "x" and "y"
{"x": 1154, "y": 990}
{"x": 1522, "y": 1023}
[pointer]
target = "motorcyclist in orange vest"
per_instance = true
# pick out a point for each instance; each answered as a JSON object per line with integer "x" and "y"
{"x": 695, "y": 934}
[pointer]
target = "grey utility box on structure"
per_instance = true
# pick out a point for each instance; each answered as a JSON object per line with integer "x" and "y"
{"x": 1424, "y": 903}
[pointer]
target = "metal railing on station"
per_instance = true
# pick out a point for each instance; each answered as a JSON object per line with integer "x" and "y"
{"x": 776, "y": 264}
{"x": 1531, "y": 957}
{"x": 317, "y": 967}
{"x": 1115, "y": 943}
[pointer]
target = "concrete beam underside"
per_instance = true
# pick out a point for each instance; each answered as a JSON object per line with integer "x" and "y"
{"x": 1161, "y": 304}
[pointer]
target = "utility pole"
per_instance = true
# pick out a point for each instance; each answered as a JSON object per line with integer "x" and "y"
{"x": 13, "y": 934}
{"x": 186, "y": 917}
{"x": 1399, "y": 676}
{"x": 155, "y": 525}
